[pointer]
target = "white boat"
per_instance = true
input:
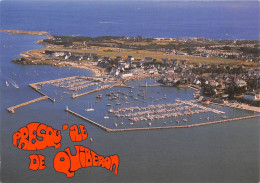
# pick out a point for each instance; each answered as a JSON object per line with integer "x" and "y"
{"x": 15, "y": 85}
{"x": 106, "y": 117}
{"x": 89, "y": 109}
{"x": 6, "y": 83}
{"x": 110, "y": 110}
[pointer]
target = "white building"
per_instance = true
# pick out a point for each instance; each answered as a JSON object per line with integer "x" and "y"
{"x": 125, "y": 75}
{"x": 252, "y": 96}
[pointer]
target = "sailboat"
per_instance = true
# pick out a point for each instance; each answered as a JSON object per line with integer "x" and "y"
{"x": 106, "y": 117}
{"x": 6, "y": 83}
{"x": 15, "y": 85}
{"x": 89, "y": 109}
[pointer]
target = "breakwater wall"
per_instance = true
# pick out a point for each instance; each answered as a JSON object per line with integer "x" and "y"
{"x": 11, "y": 109}
{"x": 92, "y": 91}
{"x": 162, "y": 127}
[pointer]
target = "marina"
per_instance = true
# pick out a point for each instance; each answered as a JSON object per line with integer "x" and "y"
{"x": 157, "y": 128}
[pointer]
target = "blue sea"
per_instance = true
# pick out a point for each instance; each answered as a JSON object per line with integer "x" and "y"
{"x": 221, "y": 153}
{"x": 222, "y": 20}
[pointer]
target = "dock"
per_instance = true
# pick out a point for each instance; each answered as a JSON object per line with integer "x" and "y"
{"x": 38, "y": 90}
{"x": 124, "y": 85}
{"x": 92, "y": 91}
{"x": 161, "y": 127}
{"x": 53, "y": 81}
{"x": 11, "y": 109}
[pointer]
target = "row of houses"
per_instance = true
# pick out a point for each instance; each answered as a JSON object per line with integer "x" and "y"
{"x": 74, "y": 56}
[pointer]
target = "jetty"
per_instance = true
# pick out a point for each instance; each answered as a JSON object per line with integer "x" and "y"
{"x": 89, "y": 120}
{"x": 92, "y": 91}
{"x": 44, "y": 95}
{"x": 53, "y": 81}
{"x": 160, "y": 127}
{"x": 11, "y": 109}
{"x": 124, "y": 85}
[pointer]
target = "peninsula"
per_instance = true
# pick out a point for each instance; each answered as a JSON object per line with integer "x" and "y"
{"x": 38, "y": 33}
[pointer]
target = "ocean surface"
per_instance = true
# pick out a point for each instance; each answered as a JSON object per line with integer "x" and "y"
{"x": 223, "y": 20}
{"x": 227, "y": 152}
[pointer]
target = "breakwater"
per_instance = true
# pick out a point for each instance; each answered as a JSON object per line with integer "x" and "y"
{"x": 11, "y": 109}
{"x": 161, "y": 127}
{"x": 92, "y": 91}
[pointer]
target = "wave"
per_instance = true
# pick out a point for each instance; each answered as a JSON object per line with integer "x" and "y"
{"x": 106, "y": 22}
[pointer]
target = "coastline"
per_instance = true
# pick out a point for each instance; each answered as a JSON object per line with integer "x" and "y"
{"x": 97, "y": 71}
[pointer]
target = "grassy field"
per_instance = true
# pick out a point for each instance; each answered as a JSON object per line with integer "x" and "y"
{"x": 141, "y": 54}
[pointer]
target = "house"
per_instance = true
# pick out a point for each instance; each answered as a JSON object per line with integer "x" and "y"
{"x": 125, "y": 75}
{"x": 137, "y": 71}
{"x": 106, "y": 59}
{"x": 58, "y": 54}
{"x": 183, "y": 61}
{"x": 148, "y": 60}
{"x": 124, "y": 65}
{"x": 86, "y": 56}
{"x": 240, "y": 83}
{"x": 181, "y": 53}
{"x": 252, "y": 96}
{"x": 174, "y": 62}
{"x": 119, "y": 59}
{"x": 130, "y": 58}
{"x": 164, "y": 60}
{"x": 114, "y": 71}
{"x": 152, "y": 71}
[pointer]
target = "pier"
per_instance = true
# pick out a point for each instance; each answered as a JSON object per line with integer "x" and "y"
{"x": 161, "y": 127}
{"x": 53, "y": 81}
{"x": 38, "y": 90}
{"x": 124, "y": 85}
{"x": 92, "y": 91}
{"x": 11, "y": 109}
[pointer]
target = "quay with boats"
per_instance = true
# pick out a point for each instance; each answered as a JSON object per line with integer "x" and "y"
{"x": 156, "y": 128}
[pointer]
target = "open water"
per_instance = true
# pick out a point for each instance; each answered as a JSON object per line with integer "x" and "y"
{"x": 227, "y": 152}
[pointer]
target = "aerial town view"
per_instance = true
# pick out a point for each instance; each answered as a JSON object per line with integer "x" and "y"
{"x": 154, "y": 101}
